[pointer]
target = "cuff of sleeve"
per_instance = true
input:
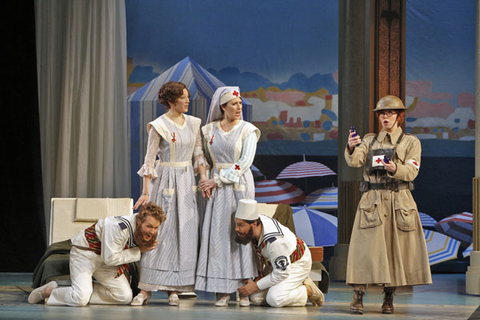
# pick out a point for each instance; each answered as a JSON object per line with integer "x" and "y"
{"x": 263, "y": 283}
{"x": 147, "y": 171}
{"x": 137, "y": 253}
{"x": 200, "y": 161}
{"x": 401, "y": 172}
{"x": 229, "y": 176}
{"x": 217, "y": 180}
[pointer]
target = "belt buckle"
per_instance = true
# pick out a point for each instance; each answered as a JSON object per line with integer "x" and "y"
{"x": 391, "y": 185}
{"x": 364, "y": 186}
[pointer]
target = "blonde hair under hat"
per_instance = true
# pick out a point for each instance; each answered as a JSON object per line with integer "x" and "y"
{"x": 247, "y": 210}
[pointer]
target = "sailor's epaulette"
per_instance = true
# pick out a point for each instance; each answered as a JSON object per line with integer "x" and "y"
{"x": 272, "y": 239}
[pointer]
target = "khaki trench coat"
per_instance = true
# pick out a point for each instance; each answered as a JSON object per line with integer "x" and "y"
{"x": 387, "y": 245}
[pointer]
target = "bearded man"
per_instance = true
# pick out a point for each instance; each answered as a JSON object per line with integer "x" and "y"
{"x": 290, "y": 260}
{"x": 103, "y": 251}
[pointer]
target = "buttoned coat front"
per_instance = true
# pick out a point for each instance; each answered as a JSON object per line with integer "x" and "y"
{"x": 387, "y": 245}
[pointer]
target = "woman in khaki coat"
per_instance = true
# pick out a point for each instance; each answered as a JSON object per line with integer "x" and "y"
{"x": 387, "y": 246}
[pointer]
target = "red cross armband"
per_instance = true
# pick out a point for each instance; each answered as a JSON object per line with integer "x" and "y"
{"x": 414, "y": 163}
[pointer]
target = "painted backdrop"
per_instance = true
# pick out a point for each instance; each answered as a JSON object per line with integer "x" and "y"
{"x": 284, "y": 57}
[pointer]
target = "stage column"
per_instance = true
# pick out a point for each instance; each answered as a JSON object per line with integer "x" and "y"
{"x": 355, "y": 96}
{"x": 472, "y": 281}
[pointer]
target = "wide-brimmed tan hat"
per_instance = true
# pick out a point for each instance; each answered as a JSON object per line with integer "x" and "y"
{"x": 389, "y": 103}
{"x": 247, "y": 210}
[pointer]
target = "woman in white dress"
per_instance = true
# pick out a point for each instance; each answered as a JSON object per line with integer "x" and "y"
{"x": 230, "y": 144}
{"x": 175, "y": 137}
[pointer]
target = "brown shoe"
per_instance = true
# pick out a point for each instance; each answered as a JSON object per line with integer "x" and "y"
{"x": 316, "y": 298}
{"x": 387, "y": 306}
{"x": 357, "y": 303}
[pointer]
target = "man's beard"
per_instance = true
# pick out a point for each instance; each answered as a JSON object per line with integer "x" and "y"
{"x": 139, "y": 241}
{"x": 244, "y": 239}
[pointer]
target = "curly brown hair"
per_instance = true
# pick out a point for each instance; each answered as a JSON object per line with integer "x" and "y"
{"x": 170, "y": 92}
{"x": 151, "y": 209}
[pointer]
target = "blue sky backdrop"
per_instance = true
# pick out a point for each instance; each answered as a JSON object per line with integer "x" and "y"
{"x": 275, "y": 39}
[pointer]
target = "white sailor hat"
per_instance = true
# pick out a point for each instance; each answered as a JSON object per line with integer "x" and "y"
{"x": 247, "y": 210}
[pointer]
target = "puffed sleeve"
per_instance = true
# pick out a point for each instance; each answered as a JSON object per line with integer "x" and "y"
{"x": 407, "y": 170}
{"x": 113, "y": 240}
{"x": 279, "y": 258}
{"x": 148, "y": 168}
{"x": 249, "y": 148}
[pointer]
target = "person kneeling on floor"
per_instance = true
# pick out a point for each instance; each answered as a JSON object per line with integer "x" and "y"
{"x": 104, "y": 251}
{"x": 288, "y": 283}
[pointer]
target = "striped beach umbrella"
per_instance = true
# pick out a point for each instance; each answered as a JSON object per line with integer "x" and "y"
{"x": 468, "y": 251}
{"x": 143, "y": 106}
{"x": 325, "y": 198}
{"x": 305, "y": 169}
{"x": 314, "y": 227}
{"x": 458, "y": 226}
{"x": 256, "y": 172}
{"x": 440, "y": 247}
{"x": 427, "y": 220}
{"x": 273, "y": 191}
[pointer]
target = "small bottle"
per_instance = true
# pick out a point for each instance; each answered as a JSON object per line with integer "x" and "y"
{"x": 352, "y": 128}
{"x": 386, "y": 159}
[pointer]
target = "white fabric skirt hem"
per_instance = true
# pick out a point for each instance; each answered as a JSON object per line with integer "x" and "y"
{"x": 154, "y": 287}
{"x": 218, "y": 285}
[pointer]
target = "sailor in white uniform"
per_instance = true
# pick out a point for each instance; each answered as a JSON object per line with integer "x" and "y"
{"x": 104, "y": 251}
{"x": 288, "y": 283}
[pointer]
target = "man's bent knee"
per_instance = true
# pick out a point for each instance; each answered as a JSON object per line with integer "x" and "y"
{"x": 276, "y": 301}
{"x": 79, "y": 299}
{"x": 123, "y": 297}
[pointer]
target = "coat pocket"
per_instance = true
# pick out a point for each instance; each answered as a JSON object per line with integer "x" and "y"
{"x": 369, "y": 217}
{"x": 406, "y": 219}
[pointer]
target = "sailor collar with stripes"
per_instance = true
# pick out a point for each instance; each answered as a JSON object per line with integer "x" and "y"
{"x": 125, "y": 223}
{"x": 271, "y": 230}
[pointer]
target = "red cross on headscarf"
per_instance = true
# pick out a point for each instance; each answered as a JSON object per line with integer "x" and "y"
{"x": 235, "y": 93}
{"x": 237, "y": 167}
{"x": 173, "y": 140}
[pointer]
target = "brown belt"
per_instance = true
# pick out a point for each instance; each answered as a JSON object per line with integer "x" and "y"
{"x": 391, "y": 185}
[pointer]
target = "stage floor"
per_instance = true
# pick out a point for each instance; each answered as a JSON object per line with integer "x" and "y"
{"x": 445, "y": 299}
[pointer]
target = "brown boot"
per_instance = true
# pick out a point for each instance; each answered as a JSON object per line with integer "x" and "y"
{"x": 357, "y": 303}
{"x": 387, "y": 306}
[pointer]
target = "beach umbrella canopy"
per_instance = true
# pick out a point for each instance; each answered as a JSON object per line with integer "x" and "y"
{"x": 256, "y": 172}
{"x": 273, "y": 191}
{"x": 143, "y": 106}
{"x": 427, "y": 220}
{"x": 440, "y": 247}
{"x": 305, "y": 169}
{"x": 314, "y": 227}
{"x": 468, "y": 251}
{"x": 458, "y": 226}
{"x": 325, "y": 198}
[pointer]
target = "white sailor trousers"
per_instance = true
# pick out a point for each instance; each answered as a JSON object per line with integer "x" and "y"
{"x": 83, "y": 265}
{"x": 290, "y": 292}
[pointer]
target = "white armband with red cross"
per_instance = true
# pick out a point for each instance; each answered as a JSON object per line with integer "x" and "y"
{"x": 414, "y": 163}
